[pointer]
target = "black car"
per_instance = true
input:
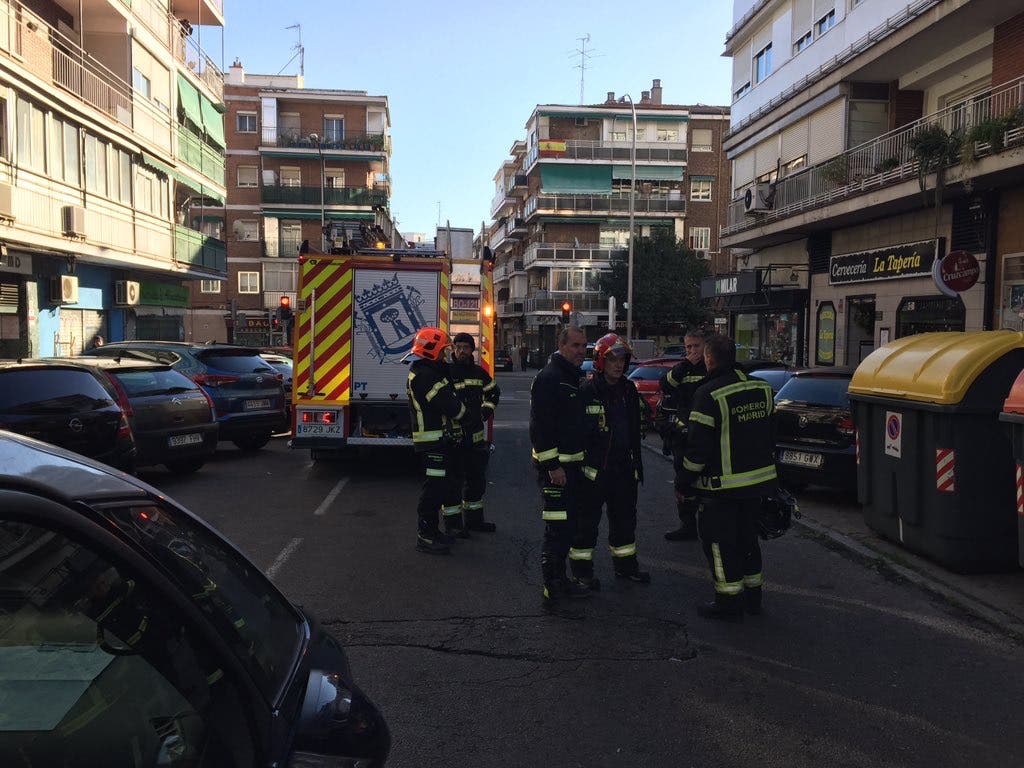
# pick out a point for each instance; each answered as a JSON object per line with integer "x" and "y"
{"x": 816, "y": 438}
{"x": 776, "y": 376}
{"x": 64, "y": 404}
{"x": 171, "y": 417}
{"x": 503, "y": 360}
{"x": 141, "y": 637}
{"x": 247, "y": 393}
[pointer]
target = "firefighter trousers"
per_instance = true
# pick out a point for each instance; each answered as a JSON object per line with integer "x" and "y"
{"x": 687, "y": 508}
{"x": 616, "y": 491}
{"x": 560, "y": 512}
{"x": 728, "y": 534}
{"x": 468, "y": 482}
{"x": 436, "y": 483}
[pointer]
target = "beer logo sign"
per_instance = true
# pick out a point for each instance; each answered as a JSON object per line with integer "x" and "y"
{"x": 956, "y": 273}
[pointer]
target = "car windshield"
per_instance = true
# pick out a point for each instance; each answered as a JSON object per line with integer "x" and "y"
{"x": 239, "y": 361}
{"x": 51, "y": 390}
{"x": 261, "y": 627}
{"x": 816, "y": 390}
{"x": 141, "y": 383}
{"x": 648, "y": 373}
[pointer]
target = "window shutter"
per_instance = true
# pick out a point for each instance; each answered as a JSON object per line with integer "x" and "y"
{"x": 741, "y": 63}
{"x": 767, "y": 156}
{"x": 762, "y": 37}
{"x": 743, "y": 170}
{"x": 829, "y": 135}
{"x": 822, "y": 7}
{"x": 794, "y": 141}
{"x": 802, "y": 11}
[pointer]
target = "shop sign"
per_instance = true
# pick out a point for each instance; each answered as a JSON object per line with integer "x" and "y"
{"x": 729, "y": 285}
{"x": 162, "y": 295}
{"x": 825, "y": 349}
{"x": 466, "y": 302}
{"x": 956, "y": 273}
{"x": 21, "y": 263}
{"x": 911, "y": 260}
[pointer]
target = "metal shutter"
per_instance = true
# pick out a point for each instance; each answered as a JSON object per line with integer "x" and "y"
{"x": 794, "y": 141}
{"x": 767, "y": 156}
{"x": 762, "y": 37}
{"x": 741, "y": 68}
{"x": 822, "y": 7}
{"x": 802, "y": 11}
{"x": 743, "y": 170}
{"x": 827, "y": 132}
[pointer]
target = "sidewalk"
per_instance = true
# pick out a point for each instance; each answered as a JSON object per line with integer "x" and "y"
{"x": 996, "y": 598}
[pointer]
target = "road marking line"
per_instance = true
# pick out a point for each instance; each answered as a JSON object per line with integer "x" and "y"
{"x": 326, "y": 503}
{"x": 282, "y": 558}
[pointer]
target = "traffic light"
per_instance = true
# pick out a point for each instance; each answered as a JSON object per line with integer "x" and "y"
{"x": 284, "y": 311}
{"x": 566, "y": 311}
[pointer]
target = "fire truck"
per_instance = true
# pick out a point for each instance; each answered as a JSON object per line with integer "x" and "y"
{"x": 360, "y": 306}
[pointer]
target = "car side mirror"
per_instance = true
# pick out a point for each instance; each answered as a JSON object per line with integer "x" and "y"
{"x": 336, "y": 719}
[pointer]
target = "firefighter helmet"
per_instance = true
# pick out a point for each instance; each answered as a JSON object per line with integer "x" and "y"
{"x": 429, "y": 344}
{"x": 776, "y": 515}
{"x": 610, "y": 344}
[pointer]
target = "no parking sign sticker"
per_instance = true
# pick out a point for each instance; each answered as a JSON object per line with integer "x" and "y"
{"x": 893, "y": 434}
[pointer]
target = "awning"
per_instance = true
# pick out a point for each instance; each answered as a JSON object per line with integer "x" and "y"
{"x": 157, "y": 164}
{"x": 188, "y": 96}
{"x": 575, "y": 179}
{"x": 275, "y": 213}
{"x": 198, "y": 187}
{"x": 649, "y": 172}
{"x": 213, "y": 122}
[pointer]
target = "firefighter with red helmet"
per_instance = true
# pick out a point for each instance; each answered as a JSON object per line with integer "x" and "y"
{"x": 436, "y": 412}
{"x": 612, "y": 467}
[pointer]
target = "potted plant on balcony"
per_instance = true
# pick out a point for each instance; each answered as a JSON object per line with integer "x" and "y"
{"x": 935, "y": 149}
{"x": 836, "y": 171}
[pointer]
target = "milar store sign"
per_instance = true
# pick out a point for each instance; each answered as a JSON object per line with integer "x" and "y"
{"x": 911, "y": 260}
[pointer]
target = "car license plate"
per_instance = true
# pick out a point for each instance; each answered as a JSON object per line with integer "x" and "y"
{"x": 179, "y": 440}
{"x": 333, "y": 430}
{"x": 801, "y": 459}
{"x": 254, "y": 405}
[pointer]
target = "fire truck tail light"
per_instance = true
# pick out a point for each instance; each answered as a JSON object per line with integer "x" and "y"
{"x": 319, "y": 417}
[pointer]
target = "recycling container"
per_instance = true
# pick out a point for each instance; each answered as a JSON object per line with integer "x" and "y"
{"x": 1013, "y": 416}
{"x": 935, "y": 467}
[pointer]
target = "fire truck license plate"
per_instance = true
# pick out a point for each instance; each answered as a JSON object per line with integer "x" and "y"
{"x": 318, "y": 429}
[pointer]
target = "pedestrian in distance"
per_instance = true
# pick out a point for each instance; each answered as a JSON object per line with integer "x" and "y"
{"x": 678, "y": 386}
{"x": 730, "y": 464}
{"x": 436, "y": 412}
{"x": 464, "y": 509}
{"x": 557, "y": 437}
{"x": 524, "y": 356}
{"x": 612, "y": 467}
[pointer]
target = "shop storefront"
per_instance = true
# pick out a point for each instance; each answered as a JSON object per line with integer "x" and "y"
{"x": 15, "y": 268}
{"x": 160, "y": 315}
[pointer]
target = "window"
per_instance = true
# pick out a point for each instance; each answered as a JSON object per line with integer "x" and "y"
{"x": 4, "y": 145}
{"x": 248, "y": 282}
{"x": 95, "y": 165}
{"x": 575, "y": 280}
{"x": 280, "y": 276}
{"x": 141, "y": 83}
{"x": 668, "y": 134}
{"x": 794, "y": 165}
{"x": 290, "y": 176}
{"x": 246, "y": 230}
{"x": 247, "y": 176}
{"x": 740, "y": 92}
{"x": 700, "y": 189}
{"x": 763, "y": 63}
{"x": 618, "y": 135}
{"x": 334, "y": 130}
{"x": 700, "y": 238}
{"x": 209, "y": 286}
{"x": 613, "y": 238}
{"x": 291, "y": 237}
{"x": 803, "y": 42}
{"x": 334, "y": 178}
{"x": 63, "y": 151}
{"x": 31, "y": 138}
{"x": 701, "y": 140}
{"x": 825, "y": 23}
{"x": 72, "y": 173}
{"x": 245, "y": 122}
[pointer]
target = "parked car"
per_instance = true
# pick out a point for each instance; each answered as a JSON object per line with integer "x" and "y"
{"x": 775, "y": 374}
{"x": 142, "y": 637}
{"x": 816, "y": 439}
{"x": 647, "y": 377}
{"x": 282, "y": 363}
{"x": 171, "y": 417}
{"x": 674, "y": 350}
{"x": 503, "y": 360}
{"x": 247, "y": 393}
{"x": 65, "y": 404}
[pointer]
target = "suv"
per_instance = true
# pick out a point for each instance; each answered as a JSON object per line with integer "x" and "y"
{"x": 64, "y": 404}
{"x": 247, "y": 392}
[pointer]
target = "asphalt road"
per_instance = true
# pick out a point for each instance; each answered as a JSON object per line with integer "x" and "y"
{"x": 849, "y": 665}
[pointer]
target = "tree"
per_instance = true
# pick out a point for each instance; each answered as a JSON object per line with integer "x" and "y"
{"x": 666, "y": 284}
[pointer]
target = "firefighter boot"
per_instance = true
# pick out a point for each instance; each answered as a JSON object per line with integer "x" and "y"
{"x": 752, "y": 600}
{"x": 629, "y": 569}
{"x": 582, "y": 577}
{"x": 474, "y": 517}
{"x": 433, "y": 543}
{"x": 724, "y": 608}
{"x": 454, "y": 524}
{"x": 687, "y": 530}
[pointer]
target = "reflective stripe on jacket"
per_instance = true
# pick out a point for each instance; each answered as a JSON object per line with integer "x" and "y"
{"x": 556, "y": 415}
{"x": 595, "y": 395}
{"x": 434, "y": 406}
{"x": 479, "y": 393}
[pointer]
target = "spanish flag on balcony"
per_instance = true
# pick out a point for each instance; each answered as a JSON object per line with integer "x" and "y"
{"x": 551, "y": 148}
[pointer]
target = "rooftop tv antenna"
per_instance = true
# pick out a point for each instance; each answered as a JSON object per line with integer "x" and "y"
{"x": 584, "y": 56}
{"x": 300, "y": 52}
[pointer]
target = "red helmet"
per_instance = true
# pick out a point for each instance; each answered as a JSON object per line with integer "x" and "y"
{"x": 429, "y": 344}
{"x": 610, "y": 344}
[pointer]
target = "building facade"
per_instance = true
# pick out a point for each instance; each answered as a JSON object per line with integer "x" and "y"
{"x": 111, "y": 130}
{"x": 298, "y": 159}
{"x": 560, "y": 211}
{"x": 876, "y": 173}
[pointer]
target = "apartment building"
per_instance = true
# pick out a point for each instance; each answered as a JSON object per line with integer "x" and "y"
{"x": 297, "y": 159}
{"x": 841, "y": 110}
{"x": 110, "y": 128}
{"x": 560, "y": 211}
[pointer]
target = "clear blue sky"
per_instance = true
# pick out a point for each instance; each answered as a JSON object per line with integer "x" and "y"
{"x": 463, "y": 77}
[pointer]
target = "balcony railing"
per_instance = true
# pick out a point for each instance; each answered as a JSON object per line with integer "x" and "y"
{"x": 192, "y": 56}
{"x": 351, "y": 141}
{"x": 332, "y": 196}
{"x": 616, "y": 203}
{"x": 96, "y": 88}
{"x": 518, "y": 181}
{"x": 515, "y": 227}
{"x": 500, "y": 199}
{"x": 569, "y": 252}
{"x": 553, "y": 302}
{"x": 155, "y": 18}
{"x": 199, "y": 250}
{"x": 646, "y": 151}
{"x": 199, "y": 155}
{"x": 884, "y": 161}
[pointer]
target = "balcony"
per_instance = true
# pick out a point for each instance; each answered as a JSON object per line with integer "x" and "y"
{"x": 187, "y": 51}
{"x": 515, "y": 228}
{"x": 517, "y": 184}
{"x": 199, "y": 250}
{"x": 200, "y": 156}
{"x": 557, "y": 254}
{"x": 351, "y": 141}
{"x": 617, "y": 204}
{"x": 581, "y": 302}
{"x": 332, "y": 196}
{"x": 511, "y": 308}
{"x": 499, "y": 201}
{"x": 890, "y": 159}
{"x": 646, "y": 151}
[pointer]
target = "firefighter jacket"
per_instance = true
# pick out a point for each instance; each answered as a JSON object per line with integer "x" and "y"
{"x": 436, "y": 409}
{"x": 730, "y": 452}
{"x": 479, "y": 393}
{"x": 556, "y": 415}
{"x": 679, "y": 386}
{"x": 602, "y": 447}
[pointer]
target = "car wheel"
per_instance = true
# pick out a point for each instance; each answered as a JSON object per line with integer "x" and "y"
{"x": 252, "y": 442}
{"x": 185, "y": 466}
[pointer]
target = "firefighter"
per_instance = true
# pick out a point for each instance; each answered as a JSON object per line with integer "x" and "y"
{"x": 678, "y": 386}
{"x": 730, "y": 464}
{"x": 436, "y": 413}
{"x": 479, "y": 393}
{"x": 613, "y": 465}
{"x": 556, "y": 435}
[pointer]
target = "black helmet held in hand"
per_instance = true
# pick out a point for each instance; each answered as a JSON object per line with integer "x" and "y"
{"x": 777, "y": 513}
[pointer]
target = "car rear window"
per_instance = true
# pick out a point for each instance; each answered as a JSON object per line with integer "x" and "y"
{"x": 775, "y": 378}
{"x": 234, "y": 362}
{"x": 817, "y": 390}
{"x": 139, "y": 383}
{"x": 51, "y": 390}
{"x": 648, "y": 373}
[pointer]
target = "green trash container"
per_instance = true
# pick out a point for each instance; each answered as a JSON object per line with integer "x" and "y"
{"x": 1013, "y": 415}
{"x": 934, "y": 464}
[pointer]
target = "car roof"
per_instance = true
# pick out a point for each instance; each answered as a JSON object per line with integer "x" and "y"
{"x": 38, "y": 363}
{"x": 187, "y": 345}
{"x": 117, "y": 363}
{"x": 836, "y": 372}
{"x": 660, "y": 361}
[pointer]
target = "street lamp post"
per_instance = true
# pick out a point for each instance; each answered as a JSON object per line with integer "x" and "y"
{"x": 315, "y": 139}
{"x": 632, "y": 212}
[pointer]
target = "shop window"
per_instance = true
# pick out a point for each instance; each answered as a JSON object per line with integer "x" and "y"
{"x": 747, "y": 337}
{"x": 923, "y": 314}
{"x": 825, "y": 348}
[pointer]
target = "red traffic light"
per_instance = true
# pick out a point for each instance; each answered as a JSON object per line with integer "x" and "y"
{"x": 566, "y": 306}
{"x": 566, "y": 311}
{"x": 286, "y": 302}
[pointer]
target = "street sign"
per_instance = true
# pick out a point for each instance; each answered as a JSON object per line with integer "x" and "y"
{"x": 893, "y": 434}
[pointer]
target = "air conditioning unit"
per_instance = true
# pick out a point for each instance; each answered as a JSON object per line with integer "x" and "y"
{"x": 64, "y": 289}
{"x": 6, "y": 202}
{"x": 758, "y": 198}
{"x": 74, "y": 221}
{"x": 126, "y": 293}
